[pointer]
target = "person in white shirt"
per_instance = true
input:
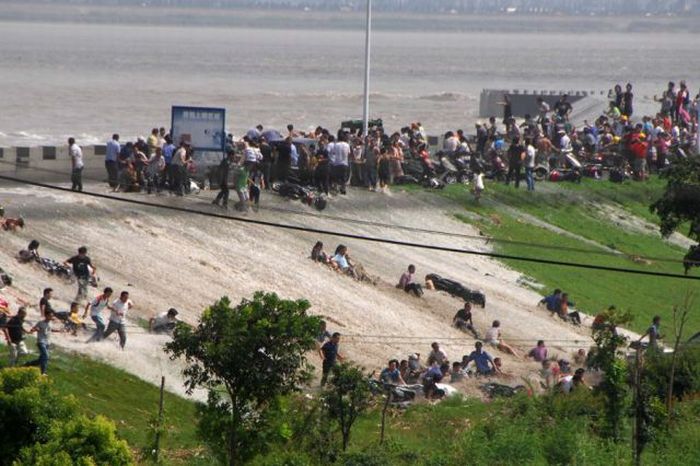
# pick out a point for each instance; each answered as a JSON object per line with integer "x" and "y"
{"x": 164, "y": 322}
{"x": 478, "y": 184}
{"x": 178, "y": 165}
{"x": 493, "y": 338}
{"x": 117, "y": 318}
{"x": 76, "y": 160}
{"x": 96, "y": 306}
{"x": 339, "y": 161}
{"x": 155, "y": 171}
{"x": 451, "y": 142}
{"x": 565, "y": 143}
{"x": 530, "y": 158}
{"x": 437, "y": 355}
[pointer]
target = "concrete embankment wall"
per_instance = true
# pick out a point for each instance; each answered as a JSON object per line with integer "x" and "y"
{"x": 525, "y": 102}
{"x": 50, "y": 163}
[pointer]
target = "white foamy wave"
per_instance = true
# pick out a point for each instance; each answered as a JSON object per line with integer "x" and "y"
{"x": 27, "y": 136}
{"x": 31, "y": 139}
{"x": 447, "y": 97}
{"x": 336, "y": 96}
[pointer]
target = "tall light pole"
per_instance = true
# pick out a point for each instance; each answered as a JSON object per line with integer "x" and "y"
{"x": 365, "y": 123}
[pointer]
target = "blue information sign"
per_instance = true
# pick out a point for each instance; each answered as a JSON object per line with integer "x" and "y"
{"x": 203, "y": 127}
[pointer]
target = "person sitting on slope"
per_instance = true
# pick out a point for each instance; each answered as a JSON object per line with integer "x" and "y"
{"x": 408, "y": 284}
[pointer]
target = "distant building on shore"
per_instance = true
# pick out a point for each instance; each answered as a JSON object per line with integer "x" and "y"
{"x": 513, "y": 7}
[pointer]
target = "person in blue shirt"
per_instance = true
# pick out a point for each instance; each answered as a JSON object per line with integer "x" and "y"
{"x": 391, "y": 374}
{"x": 168, "y": 151}
{"x": 329, "y": 353}
{"x": 553, "y": 301}
{"x": 483, "y": 361}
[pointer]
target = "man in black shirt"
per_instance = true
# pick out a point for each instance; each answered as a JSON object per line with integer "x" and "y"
{"x": 83, "y": 269}
{"x": 329, "y": 353}
{"x": 463, "y": 320}
{"x": 266, "y": 164}
{"x": 284, "y": 159}
{"x": 45, "y": 301}
{"x": 224, "y": 168}
{"x": 516, "y": 155}
{"x": 14, "y": 333}
{"x": 563, "y": 107}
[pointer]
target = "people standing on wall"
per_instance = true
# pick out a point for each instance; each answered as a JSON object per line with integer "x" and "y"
{"x": 516, "y": 155}
{"x": 111, "y": 156}
{"x": 168, "y": 152}
{"x": 627, "y": 101}
{"x": 267, "y": 161}
{"x": 76, "y": 160}
{"x": 507, "y": 111}
{"x": 178, "y": 167}
{"x": 224, "y": 170}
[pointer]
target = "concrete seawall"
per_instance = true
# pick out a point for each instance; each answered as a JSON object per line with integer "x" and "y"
{"x": 525, "y": 102}
{"x": 50, "y": 163}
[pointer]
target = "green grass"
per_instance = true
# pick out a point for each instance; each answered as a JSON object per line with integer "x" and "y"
{"x": 130, "y": 403}
{"x": 439, "y": 424}
{"x": 577, "y": 209}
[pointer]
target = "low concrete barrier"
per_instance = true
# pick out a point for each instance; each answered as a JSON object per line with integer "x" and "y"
{"x": 50, "y": 163}
{"x": 525, "y": 101}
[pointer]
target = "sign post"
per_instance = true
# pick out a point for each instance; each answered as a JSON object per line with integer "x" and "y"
{"x": 204, "y": 128}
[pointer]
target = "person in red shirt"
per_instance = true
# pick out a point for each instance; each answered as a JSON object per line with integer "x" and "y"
{"x": 639, "y": 149}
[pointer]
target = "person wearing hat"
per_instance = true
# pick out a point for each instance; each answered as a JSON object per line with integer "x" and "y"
{"x": 165, "y": 322}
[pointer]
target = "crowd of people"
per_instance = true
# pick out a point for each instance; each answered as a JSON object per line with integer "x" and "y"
{"x": 51, "y": 320}
{"x": 332, "y": 160}
{"x": 429, "y": 378}
{"x": 543, "y": 145}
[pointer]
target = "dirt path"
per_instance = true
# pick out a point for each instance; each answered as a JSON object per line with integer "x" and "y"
{"x": 167, "y": 259}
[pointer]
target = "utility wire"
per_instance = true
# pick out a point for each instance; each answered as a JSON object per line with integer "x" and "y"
{"x": 486, "y": 239}
{"x": 353, "y": 236}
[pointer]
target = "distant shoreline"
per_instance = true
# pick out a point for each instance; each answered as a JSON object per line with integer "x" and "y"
{"x": 315, "y": 20}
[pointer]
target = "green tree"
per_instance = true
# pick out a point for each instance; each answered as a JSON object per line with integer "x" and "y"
{"x": 608, "y": 358}
{"x": 680, "y": 202}
{"x": 346, "y": 397}
{"x": 246, "y": 356}
{"x": 39, "y": 426}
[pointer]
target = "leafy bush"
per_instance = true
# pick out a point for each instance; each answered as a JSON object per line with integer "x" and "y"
{"x": 81, "y": 441}
{"x": 687, "y": 375}
{"x": 38, "y": 426}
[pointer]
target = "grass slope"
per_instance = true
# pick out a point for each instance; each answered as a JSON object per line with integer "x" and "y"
{"x": 506, "y": 213}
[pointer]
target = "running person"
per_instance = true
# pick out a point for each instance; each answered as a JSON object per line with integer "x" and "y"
{"x": 96, "y": 306}
{"x": 117, "y": 319}
{"x": 83, "y": 270}
{"x": 43, "y": 330}
{"x": 329, "y": 353}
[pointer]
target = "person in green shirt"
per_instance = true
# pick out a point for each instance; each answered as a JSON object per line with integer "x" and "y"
{"x": 241, "y": 181}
